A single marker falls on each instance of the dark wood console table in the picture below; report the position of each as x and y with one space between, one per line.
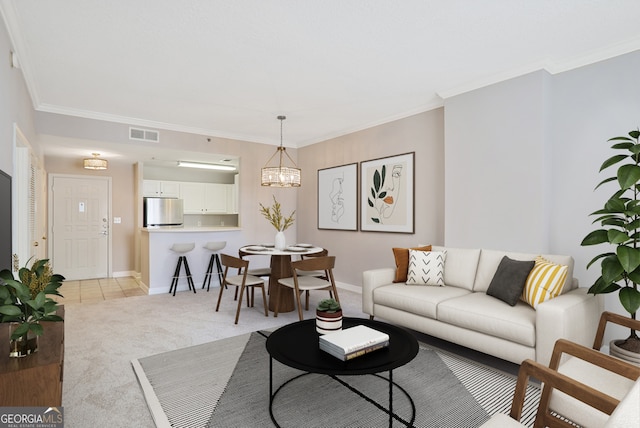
34 380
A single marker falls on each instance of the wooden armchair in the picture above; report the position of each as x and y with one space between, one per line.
610 317
602 372
621 414
581 384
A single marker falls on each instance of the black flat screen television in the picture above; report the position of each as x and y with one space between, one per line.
6 241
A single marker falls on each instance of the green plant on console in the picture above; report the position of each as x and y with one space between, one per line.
329 306
24 300
620 227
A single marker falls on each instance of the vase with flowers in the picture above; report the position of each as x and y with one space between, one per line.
24 304
277 220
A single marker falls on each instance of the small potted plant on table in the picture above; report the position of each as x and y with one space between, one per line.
328 316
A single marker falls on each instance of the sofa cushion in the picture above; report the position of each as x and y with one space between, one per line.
545 281
566 261
508 282
460 266
421 301
490 259
485 314
401 256
426 268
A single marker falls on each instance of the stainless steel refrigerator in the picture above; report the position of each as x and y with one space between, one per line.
163 212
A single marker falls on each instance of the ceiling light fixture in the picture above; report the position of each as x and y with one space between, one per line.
206 166
95 162
281 176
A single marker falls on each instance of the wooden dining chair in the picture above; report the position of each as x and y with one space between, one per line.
261 271
319 273
242 281
300 283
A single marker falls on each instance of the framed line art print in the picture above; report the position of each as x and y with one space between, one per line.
387 194
338 197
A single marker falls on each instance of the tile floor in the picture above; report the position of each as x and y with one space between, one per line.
92 290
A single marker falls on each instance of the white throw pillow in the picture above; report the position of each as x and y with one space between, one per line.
426 268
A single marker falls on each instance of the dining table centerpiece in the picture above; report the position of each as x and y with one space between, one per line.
280 222
24 304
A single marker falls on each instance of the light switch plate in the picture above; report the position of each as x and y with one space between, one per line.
117 220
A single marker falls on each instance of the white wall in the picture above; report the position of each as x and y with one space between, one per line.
15 104
522 160
495 188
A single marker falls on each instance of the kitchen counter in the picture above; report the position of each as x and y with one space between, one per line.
178 229
158 262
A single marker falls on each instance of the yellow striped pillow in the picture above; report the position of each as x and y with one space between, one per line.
545 281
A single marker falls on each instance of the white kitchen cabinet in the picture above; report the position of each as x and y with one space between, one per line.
232 196
161 189
204 198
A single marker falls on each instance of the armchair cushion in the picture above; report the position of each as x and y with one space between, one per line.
601 379
627 414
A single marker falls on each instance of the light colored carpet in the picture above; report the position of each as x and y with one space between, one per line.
225 384
101 339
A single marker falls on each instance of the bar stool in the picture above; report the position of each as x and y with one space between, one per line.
215 247
182 249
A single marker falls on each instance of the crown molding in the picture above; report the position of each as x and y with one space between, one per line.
550 66
437 102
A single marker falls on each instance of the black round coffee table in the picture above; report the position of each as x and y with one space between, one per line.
296 345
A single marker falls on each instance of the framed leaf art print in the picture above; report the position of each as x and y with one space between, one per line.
387 194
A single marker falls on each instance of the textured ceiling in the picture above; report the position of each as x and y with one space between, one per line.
228 68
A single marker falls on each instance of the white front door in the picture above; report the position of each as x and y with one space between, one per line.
79 225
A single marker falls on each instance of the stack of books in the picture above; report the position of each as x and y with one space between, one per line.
353 342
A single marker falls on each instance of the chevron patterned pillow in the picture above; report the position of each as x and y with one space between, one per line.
401 256
426 268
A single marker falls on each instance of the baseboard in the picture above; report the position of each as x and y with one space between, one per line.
349 287
184 287
125 273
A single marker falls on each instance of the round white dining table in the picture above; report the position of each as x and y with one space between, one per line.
281 268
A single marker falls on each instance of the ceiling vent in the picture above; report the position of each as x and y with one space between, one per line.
140 134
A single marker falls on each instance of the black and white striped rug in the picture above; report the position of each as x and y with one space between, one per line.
226 384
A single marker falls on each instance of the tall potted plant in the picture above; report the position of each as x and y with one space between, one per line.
619 221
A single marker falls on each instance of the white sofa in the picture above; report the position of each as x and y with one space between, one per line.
461 312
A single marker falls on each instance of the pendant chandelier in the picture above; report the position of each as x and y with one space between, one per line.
95 162
281 175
